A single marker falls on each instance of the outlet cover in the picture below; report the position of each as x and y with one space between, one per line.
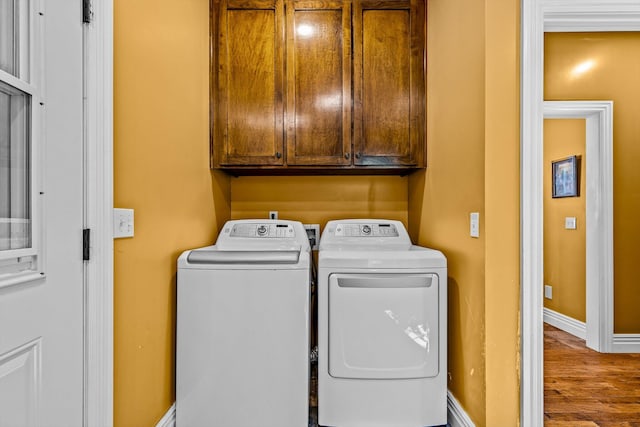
122 223
313 233
570 223
548 292
474 224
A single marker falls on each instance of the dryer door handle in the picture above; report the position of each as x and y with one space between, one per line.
385 281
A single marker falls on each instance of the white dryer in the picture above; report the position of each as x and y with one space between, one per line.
382 337
243 328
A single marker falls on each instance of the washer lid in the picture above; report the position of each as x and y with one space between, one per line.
253 244
213 256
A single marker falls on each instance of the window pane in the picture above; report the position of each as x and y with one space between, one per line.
15 169
8 38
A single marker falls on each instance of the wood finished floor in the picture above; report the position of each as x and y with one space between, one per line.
586 388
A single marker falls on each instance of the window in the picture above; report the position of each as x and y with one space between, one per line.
8 49
19 251
15 169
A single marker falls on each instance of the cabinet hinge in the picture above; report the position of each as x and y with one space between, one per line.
87 12
86 244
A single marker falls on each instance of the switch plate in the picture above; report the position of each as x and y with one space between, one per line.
313 233
548 292
474 224
122 223
570 223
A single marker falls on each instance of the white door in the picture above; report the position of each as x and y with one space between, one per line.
41 213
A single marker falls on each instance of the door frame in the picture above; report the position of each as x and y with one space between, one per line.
599 213
98 202
538 17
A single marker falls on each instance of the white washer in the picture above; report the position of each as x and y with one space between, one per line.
382 336
243 328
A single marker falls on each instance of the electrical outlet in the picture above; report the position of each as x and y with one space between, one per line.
273 214
313 233
548 292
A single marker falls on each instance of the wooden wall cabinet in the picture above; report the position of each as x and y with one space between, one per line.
318 86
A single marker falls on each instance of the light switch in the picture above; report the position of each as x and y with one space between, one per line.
548 292
570 223
122 223
474 224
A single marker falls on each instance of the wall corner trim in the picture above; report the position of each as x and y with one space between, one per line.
169 419
565 323
98 204
456 415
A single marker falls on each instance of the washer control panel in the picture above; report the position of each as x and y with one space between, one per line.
366 230
264 230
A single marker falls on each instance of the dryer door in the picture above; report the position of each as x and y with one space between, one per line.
383 326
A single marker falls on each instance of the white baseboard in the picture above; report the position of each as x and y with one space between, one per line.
565 323
456 416
626 343
169 419
622 343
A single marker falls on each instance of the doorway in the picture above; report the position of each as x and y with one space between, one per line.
598 167
539 16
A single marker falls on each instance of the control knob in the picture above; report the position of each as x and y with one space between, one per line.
262 230
366 229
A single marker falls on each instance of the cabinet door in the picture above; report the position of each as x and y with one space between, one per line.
389 82
318 82
247 82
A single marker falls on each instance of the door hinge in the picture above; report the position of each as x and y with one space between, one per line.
86 244
87 13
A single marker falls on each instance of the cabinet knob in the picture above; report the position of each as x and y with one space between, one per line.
357 155
347 156
278 155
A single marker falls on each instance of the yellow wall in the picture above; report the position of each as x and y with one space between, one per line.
317 199
502 208
613 76
565 250
473 166
162 171
161 160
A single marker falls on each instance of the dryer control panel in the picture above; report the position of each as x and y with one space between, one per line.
365 234
366 230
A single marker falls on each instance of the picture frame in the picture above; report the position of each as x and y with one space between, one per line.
565 177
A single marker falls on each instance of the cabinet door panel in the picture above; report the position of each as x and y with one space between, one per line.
389 90
318 83
249 121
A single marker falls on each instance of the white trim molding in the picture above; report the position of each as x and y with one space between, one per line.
536 17
565 323
626 343
169 418
456 415
98 112
620 343
598 117
590 15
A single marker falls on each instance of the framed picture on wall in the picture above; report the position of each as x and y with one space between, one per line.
565 177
